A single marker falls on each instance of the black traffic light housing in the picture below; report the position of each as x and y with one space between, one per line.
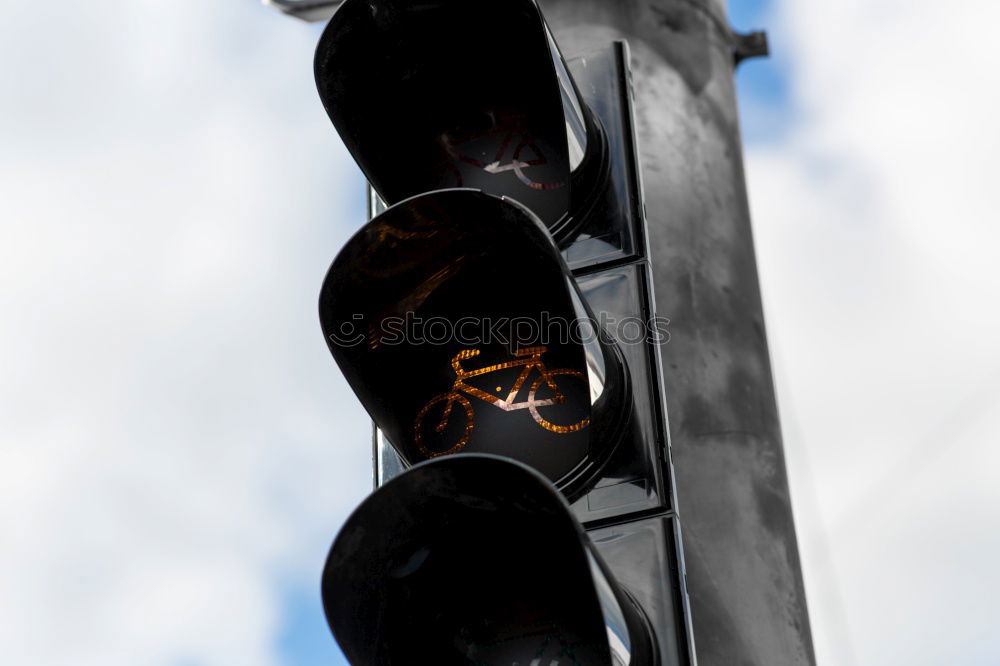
435 94
453 93
475 559
460 328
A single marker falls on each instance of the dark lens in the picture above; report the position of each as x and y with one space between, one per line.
449 93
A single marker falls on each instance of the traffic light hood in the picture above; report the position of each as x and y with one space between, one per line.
475 559
455 93
455 320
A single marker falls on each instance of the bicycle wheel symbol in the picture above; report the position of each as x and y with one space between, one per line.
519 165
578 391
440 416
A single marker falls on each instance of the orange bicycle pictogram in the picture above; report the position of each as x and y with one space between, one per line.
529 358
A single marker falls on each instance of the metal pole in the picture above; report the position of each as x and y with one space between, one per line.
744 575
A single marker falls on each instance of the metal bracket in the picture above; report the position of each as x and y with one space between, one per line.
749 45
307 10
743 45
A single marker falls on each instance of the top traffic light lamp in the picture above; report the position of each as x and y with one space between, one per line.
454 93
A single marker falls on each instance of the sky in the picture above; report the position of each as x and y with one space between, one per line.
177 448
870 158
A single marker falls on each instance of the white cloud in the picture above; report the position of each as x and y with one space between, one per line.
876 226
177 441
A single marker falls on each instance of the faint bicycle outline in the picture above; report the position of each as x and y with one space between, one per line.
516 164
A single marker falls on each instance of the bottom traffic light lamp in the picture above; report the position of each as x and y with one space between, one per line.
476 559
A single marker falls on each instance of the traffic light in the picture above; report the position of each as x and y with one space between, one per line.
452 93
458 325
497 304
475 559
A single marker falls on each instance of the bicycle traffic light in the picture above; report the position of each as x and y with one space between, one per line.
453 93
458 325
476 559
463 317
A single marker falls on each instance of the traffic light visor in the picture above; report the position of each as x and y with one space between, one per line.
454 93
474 560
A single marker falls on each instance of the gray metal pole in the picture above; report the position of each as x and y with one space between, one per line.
744 576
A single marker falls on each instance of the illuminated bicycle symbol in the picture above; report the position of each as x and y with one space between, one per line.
529 358
526 154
